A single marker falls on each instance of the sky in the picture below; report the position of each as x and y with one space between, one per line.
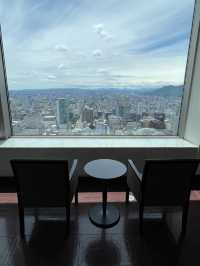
101 43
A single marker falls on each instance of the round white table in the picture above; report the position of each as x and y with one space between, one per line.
105 170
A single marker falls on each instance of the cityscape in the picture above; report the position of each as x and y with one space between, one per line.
95 68
97 112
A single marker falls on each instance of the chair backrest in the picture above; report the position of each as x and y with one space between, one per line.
168 182
41 183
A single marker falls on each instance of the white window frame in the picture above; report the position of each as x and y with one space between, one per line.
5 117
190 66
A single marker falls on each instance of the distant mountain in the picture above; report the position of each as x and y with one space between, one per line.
165 91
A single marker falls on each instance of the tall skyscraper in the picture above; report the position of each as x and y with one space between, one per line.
63 112
87 114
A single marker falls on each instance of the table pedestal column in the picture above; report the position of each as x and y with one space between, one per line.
104 215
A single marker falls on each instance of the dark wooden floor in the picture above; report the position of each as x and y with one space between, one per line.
88 245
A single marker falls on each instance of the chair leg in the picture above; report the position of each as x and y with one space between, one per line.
76 197
36 214
164 214
184 221
67 210
21 222
141 211
127 195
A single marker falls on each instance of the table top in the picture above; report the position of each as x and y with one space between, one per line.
105 169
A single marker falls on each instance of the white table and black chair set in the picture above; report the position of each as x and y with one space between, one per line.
47 183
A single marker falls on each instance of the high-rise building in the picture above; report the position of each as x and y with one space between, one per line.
87 114
114 122
159 116
122 110
64 113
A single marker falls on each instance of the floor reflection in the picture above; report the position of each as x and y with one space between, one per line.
89 245
102 251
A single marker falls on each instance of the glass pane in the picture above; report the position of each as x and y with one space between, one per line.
104 67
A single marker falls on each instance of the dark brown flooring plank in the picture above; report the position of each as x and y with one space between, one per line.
121 245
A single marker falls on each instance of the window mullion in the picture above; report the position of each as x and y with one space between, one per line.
5 127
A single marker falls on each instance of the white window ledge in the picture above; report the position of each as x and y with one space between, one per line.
90 148
96 142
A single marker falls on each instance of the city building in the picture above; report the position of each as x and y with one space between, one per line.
87 114
64 113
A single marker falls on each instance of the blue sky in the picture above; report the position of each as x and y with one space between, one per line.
109 43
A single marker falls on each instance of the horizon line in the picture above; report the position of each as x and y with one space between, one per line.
102 88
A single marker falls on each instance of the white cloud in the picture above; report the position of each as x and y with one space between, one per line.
51 77
97 53
100 30
88 25
61 48
105 35
61 66
103 71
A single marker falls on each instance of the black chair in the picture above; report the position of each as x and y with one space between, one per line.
44 183
163 183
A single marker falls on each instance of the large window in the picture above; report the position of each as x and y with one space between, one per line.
104 67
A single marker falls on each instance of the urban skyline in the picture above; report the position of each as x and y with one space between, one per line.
107 56
61 112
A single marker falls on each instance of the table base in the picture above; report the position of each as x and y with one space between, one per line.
104 221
